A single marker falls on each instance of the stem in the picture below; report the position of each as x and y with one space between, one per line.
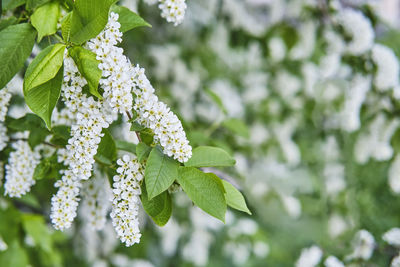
25 139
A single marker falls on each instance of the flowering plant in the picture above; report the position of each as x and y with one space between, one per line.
79 85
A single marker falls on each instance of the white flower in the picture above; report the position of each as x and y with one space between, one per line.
359 28
3 245
394 175
19 170
309 257
125 200
395 262
305 47
392 237
173 10
363 244
5 97
387 74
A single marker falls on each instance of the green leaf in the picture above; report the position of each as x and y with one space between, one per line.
35 226
88 66
26 123
61 134
128 19
11 4
14 256
44 66
237 126
32 4
4 23
42 169
126 146
43 98
66 26
37 136
161 171
205 190
48 168
159 208
107 150
208 156
216 99
234 198
88 19
142 151
45 19
16 45
136 127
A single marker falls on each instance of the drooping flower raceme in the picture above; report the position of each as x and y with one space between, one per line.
19 170
91 116
125 200
121 78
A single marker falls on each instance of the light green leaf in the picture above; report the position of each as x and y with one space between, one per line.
160 172
66 26
35 226
128 19
88 66
44 66
142 151
107 150
16 45
205 190
43 98
159 208
126 146
89 19
207 156
234 198
14 256
45 18
237 126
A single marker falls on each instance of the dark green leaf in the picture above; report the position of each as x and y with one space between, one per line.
16 45
128 19
44 66
205 190
142 151
234 198
11 4
126 146
4 23
159 208
88 19
88 66
37 136
207 156
45 19
43 98
136 127
61 134
161 171
26 123
107 150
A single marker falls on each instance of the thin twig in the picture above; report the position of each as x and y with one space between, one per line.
137 134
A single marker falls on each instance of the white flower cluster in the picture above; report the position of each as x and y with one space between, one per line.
19 170
392 237
91 117
332 261
173 10
96 193
387 74
5 97
154 114
117 82
121 77
125 200
359 29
